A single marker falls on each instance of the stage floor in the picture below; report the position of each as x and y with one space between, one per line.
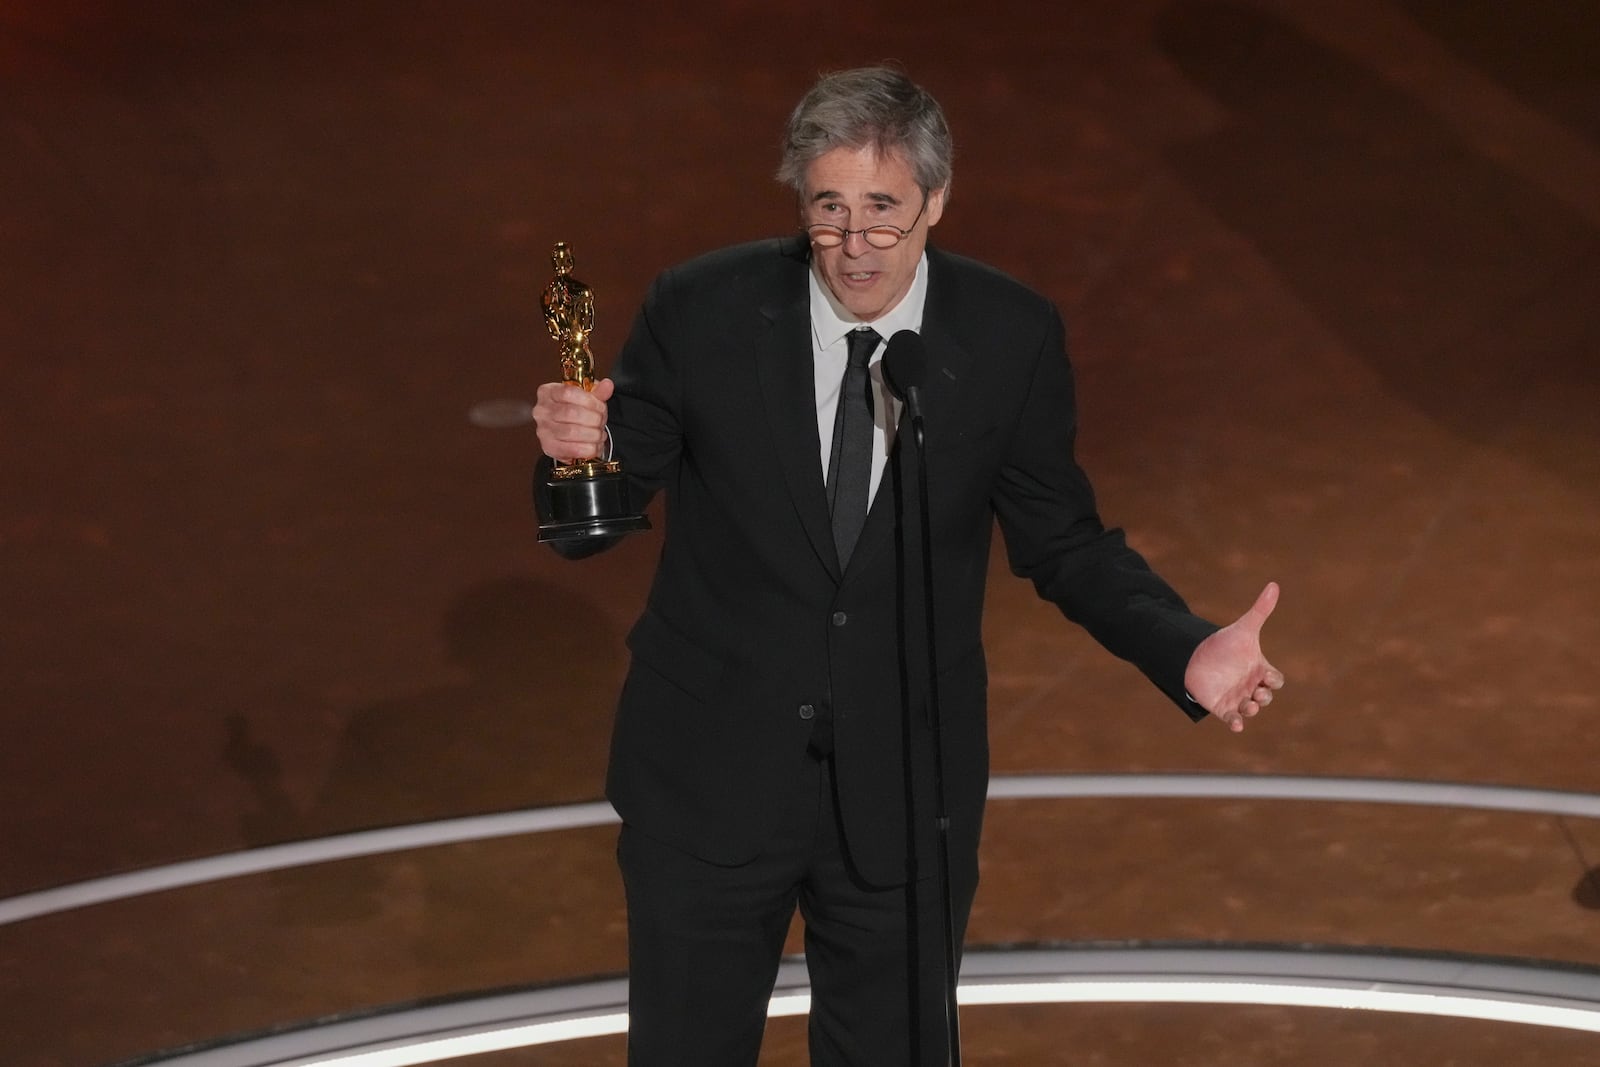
1332 278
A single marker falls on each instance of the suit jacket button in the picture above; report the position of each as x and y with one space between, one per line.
840 618
807 711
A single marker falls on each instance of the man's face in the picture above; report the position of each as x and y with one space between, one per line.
854 188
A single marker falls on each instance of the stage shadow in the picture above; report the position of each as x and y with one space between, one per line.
1474 295
1586 894
1542 50
528 726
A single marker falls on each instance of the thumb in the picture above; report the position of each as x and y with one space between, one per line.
1263 607
603 389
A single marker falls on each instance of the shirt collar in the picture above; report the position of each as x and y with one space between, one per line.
830 321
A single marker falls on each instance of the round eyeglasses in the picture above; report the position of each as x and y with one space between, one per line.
827 235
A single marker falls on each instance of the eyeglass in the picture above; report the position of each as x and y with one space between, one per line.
827 235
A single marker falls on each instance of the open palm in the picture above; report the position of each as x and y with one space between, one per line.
1228 675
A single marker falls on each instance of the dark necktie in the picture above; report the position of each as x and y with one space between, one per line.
850 461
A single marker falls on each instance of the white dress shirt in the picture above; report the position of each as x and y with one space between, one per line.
830 323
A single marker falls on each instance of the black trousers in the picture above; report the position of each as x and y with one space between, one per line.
704 943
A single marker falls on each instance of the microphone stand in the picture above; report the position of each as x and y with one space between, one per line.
941 815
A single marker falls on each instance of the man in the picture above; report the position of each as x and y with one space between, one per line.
772 744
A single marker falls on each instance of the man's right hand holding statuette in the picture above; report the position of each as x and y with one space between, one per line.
587 492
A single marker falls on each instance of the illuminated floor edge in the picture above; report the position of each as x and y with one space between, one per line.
599 813
1452 986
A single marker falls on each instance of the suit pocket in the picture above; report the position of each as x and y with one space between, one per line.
667 651
969 438
964 684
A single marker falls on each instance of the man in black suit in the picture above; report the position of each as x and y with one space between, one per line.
772 744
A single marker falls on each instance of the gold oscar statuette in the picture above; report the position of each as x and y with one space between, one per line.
587 497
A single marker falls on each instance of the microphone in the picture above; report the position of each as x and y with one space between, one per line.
905 368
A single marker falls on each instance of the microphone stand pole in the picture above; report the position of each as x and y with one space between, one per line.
941 816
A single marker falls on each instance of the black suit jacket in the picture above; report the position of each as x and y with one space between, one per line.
751 625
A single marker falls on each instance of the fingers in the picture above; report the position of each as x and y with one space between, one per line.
1234 713
571 421
1234 719
1260 697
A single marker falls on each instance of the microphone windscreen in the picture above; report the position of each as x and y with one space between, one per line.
905 363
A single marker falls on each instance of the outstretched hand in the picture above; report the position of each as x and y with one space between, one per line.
1228 675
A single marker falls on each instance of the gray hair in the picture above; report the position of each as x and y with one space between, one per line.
875 106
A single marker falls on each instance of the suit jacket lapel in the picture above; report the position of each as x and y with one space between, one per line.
788 391
948 362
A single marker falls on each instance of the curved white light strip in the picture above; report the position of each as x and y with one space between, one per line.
451 1048
1129 991
304 853
1126 991
1454 987
599 813
1293 787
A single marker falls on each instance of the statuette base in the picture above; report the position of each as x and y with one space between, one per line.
591 506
